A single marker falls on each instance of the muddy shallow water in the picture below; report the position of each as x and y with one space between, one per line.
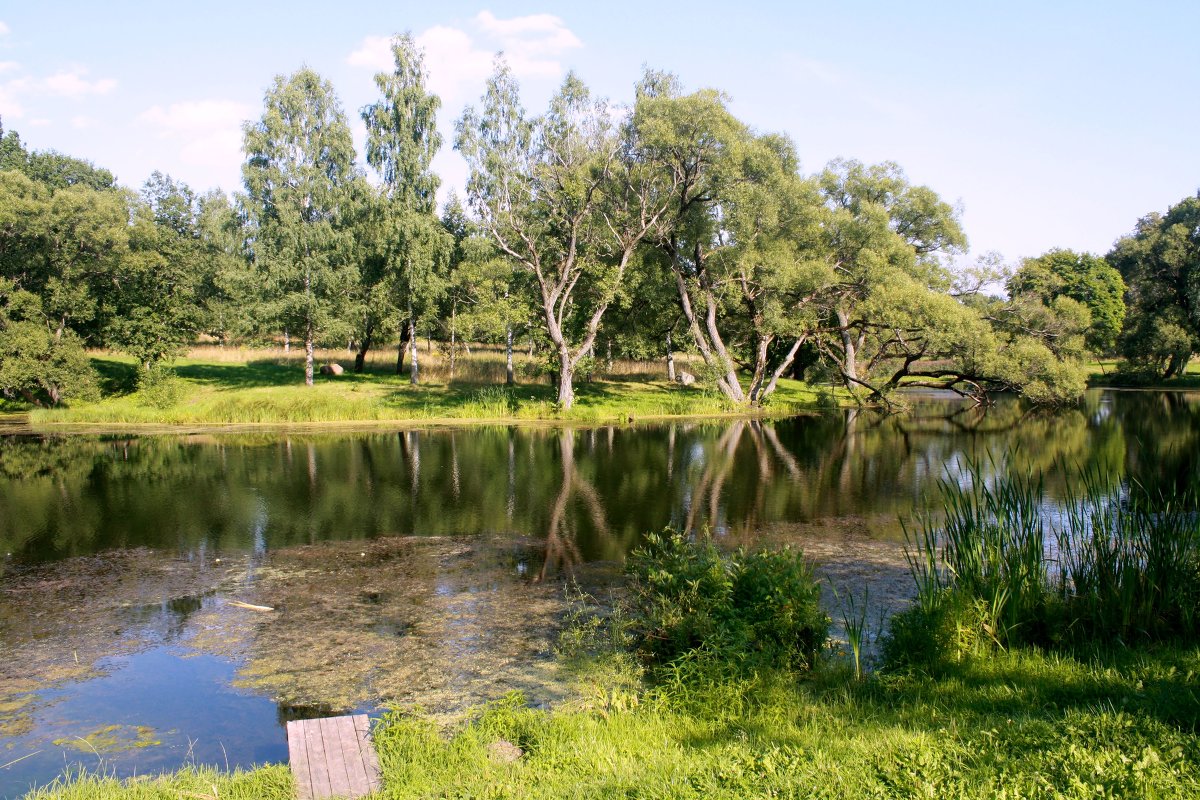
170 599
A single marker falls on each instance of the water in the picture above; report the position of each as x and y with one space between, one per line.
428 566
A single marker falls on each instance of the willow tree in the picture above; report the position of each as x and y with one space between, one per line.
740 238
882 234
567 197
300 180
414 248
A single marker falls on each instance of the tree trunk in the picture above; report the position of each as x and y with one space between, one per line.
287 343
453 336
566 379
708 338
782 368
360 359
850 352
308 355
404 329
670 359
608 361
414 369
508 356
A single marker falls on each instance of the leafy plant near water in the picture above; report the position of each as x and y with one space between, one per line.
691 602
1119 563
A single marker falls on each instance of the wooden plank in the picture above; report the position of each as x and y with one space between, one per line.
318 763
362 727
298 759
335 757
356 772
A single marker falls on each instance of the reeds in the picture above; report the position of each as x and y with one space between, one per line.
1113 561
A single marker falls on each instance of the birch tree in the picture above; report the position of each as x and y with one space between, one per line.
299 176
402 140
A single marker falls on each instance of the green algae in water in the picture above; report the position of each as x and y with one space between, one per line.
112 739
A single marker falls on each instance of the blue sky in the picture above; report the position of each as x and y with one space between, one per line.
1053 123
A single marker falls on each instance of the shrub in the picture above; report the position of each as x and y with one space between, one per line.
689 600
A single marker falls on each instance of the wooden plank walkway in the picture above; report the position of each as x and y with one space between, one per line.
333 757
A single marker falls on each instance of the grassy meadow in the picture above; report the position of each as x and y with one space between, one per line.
215 385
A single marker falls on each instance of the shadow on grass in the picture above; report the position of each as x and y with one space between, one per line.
116 377
1161 683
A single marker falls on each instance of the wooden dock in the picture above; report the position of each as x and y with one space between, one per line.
333 757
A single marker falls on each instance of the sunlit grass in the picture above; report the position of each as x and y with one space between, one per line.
218 386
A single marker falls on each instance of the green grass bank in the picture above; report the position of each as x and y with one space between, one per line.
256 387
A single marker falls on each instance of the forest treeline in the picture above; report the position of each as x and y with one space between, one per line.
586 230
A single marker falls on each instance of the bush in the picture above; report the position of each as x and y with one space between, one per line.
690 601
159 387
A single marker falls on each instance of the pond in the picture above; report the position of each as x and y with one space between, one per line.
174 599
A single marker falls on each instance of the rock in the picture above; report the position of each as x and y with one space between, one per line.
686 378
332 369
504 752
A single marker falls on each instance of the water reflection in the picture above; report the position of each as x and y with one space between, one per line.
588 493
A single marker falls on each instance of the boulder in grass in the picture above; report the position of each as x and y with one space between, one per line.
686 378
504 752
332 369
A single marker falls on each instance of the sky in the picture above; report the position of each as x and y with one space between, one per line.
1053 124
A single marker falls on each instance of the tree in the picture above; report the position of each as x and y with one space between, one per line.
568 197
881 234
51 168
156 305
1083 277
299 175
402 140
1160 262
40 366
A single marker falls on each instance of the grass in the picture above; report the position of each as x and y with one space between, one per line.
216 386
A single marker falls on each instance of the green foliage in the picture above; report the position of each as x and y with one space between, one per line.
1160 262
1083 277
300 180
159 387
36 365
745 609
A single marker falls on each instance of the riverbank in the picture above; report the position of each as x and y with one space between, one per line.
1019 724
1104 374
268 389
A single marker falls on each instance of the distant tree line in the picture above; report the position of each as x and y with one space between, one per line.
667 224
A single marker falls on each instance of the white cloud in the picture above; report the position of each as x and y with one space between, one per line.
536 34
74 83
208 133
4 29
39 122
9 66
459 60
374 52
457 67
82 122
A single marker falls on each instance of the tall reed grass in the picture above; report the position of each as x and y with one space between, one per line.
1113 561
